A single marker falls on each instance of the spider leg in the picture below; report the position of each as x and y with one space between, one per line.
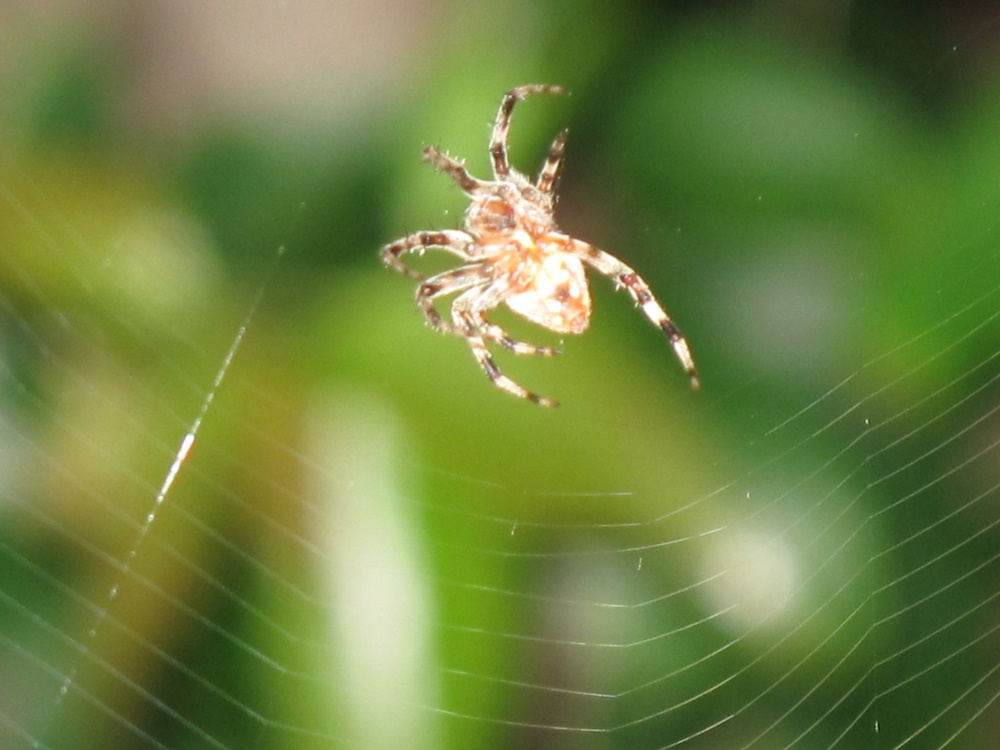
486 299
449 282
498 141
640 292
450 240
460 280
501 381
453 168
496 333
467 314
546 181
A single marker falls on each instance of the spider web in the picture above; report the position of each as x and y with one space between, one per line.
247 502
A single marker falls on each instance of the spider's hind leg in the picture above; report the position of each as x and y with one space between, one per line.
501 381
496 333
467 314
450 282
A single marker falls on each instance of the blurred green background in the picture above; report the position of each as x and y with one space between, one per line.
370 546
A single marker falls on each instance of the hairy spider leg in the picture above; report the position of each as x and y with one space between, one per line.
640 292
546 182
498 334
501 381
467 313
449 282
454 168
449 240
498 141
487 298
459 280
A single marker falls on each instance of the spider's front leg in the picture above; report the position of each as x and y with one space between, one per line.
639 290
546 182
453 168
498 141
450 240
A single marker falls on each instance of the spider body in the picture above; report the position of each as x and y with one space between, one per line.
513 253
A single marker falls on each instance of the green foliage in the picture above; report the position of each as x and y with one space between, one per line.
823 235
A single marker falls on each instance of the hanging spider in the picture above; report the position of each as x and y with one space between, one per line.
513 253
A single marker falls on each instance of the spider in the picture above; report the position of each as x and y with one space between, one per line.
512 252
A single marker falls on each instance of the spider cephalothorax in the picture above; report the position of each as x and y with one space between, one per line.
513 253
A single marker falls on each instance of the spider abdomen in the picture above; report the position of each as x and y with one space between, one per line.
555 294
